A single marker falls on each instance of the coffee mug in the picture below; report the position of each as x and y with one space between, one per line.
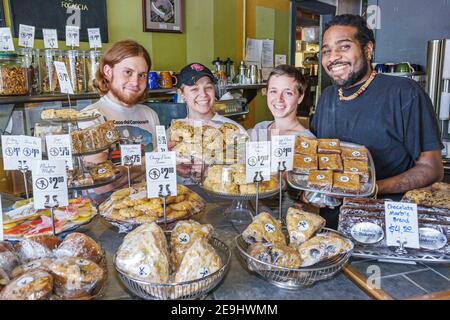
390 67
403 67
167 80
153 81
381 68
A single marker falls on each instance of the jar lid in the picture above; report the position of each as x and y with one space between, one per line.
8 55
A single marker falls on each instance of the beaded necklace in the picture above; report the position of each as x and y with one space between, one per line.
360 90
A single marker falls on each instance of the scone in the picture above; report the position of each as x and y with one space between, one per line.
329 146
265 229
33 285
79 245
321 247
359 153
320 179
230 133
40 264
212 138
359 167
144 254
184 234
302 225
305 145
199 261
180 131
279 255
305 163
76 278
330 162
346 182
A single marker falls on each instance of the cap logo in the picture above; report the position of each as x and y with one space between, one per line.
197 67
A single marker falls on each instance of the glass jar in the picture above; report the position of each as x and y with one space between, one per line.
49 77
76 68
13 75
32 60
92 66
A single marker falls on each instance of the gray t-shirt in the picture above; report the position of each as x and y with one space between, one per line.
261 132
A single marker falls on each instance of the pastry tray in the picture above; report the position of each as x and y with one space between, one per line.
300 181
119 171
261 195
386 253
72 120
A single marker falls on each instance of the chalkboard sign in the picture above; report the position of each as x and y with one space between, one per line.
56 14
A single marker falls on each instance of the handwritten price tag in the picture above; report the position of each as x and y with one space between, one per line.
161 173
401 224
26 36
63 77
20 151
282 152
59 147
257 159
6 43
161 139
72 36
49 183
95 39
131 154
50 38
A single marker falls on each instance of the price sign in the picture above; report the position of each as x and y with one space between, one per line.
20 151
1 219
50 38
49 183
131 154
282 152
63 77
161 173
59 147
401 224
26 36
95 39
6 43
161 139
257 161
72 36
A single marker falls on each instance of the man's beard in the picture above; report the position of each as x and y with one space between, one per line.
125 99
355 76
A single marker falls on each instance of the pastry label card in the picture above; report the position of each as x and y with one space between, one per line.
26 36
161 139
6 43
95 39
282 153
72 36
50 38
257 165
63 77
131 154
20 151
401 224
59 148
49 184
160 168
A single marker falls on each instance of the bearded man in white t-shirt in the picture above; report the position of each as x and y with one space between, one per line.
121 81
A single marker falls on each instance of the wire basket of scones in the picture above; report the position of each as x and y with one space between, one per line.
296 255
46 268
128 208
185 263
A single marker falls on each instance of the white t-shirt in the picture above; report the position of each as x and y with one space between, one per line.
261 132
136 124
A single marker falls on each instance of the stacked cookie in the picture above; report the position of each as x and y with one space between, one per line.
206 142
331 167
